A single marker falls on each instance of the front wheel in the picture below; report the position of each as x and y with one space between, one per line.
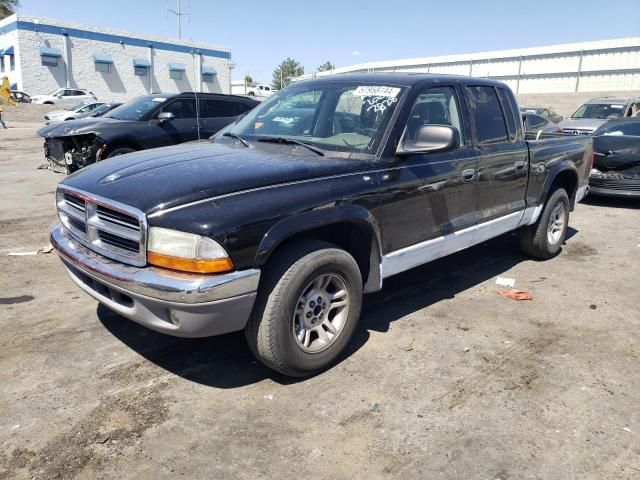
119 151
544 239
307 308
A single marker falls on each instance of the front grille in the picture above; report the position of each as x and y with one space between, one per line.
576 131
55 149
106 227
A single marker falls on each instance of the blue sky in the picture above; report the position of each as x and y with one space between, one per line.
263 33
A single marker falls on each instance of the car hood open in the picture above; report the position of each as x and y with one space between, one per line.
157 179
77 127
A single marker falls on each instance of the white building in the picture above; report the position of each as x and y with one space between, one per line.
562 75
39 55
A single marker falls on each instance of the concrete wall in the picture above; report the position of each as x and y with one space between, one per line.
567 103
78 68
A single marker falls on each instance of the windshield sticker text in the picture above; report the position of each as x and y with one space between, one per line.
379 104
374 91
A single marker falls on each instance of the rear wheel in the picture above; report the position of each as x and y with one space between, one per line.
120 151
307 308
544 239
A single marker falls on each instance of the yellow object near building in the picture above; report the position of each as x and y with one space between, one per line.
5 93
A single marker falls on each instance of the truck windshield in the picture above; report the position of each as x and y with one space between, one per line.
340 116
136 108
600 110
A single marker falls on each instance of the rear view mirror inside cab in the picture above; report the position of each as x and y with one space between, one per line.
429 138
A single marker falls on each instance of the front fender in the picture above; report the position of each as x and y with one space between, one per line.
322 217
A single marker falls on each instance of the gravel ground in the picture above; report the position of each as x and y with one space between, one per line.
443 379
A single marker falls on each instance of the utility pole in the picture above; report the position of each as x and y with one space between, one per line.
178 13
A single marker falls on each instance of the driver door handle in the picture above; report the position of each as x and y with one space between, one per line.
519 165
468 175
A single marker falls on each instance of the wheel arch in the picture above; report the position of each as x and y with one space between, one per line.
565 175
350 227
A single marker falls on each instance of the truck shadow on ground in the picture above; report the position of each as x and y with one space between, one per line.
612 202
226 362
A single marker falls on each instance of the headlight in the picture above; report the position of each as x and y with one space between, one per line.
186 252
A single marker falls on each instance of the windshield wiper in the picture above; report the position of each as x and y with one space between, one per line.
292 141
237 137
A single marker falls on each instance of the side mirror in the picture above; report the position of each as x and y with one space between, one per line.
431 138
165 117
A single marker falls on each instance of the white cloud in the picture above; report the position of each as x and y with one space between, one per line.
356 53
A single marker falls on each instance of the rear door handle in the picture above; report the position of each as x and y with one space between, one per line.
468 175
519 165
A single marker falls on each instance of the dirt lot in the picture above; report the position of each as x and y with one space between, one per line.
444 378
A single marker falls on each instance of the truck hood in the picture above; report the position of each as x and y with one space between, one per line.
78 127
157 179
582 123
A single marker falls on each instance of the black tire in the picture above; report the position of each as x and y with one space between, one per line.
534 239
120 151
251 94
269 331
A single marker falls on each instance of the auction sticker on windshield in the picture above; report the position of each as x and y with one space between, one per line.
375 91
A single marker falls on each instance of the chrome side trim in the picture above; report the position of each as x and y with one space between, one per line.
153 282
531 215
582 192
427 251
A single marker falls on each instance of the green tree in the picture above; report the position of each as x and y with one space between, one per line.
248 80
283 74
8 7
326 66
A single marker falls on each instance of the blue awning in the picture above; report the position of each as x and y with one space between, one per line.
141 62
100 58
7 51
209 71
177 67
50 52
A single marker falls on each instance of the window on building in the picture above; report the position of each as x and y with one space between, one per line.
1 64
141 71
49 61
175 75
103 67
207 77
490 125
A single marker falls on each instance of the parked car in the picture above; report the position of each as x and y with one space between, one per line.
593 114
616 149
146 122
62 95
282 224
20 97
260 91
100 110
70 113
543 112
537 125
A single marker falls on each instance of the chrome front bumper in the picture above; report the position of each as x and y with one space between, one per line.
179 304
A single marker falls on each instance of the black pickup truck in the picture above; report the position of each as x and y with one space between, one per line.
310 200
148 121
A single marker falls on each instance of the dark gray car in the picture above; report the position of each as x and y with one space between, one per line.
594 113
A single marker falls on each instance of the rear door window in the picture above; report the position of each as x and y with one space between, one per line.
509 113
489 121
220 108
